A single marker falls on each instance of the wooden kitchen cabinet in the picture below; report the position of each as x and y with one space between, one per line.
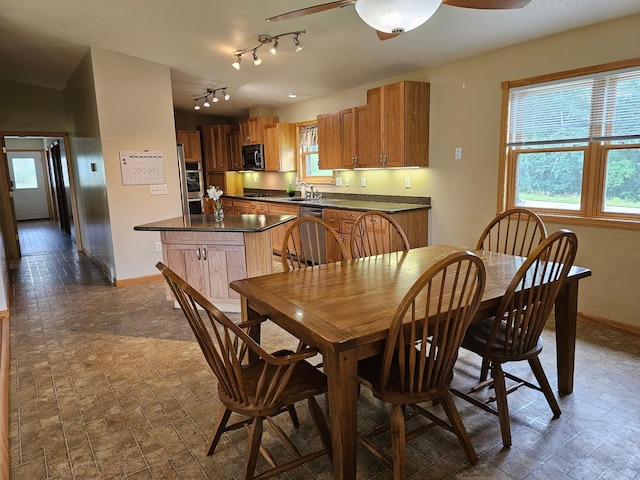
399 124
209 261
252 129
280 147
329 141
235 151
215 146
355 150
190 140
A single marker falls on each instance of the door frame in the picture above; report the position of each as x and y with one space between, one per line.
9 222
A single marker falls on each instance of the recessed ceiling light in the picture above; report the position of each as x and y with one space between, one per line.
292 95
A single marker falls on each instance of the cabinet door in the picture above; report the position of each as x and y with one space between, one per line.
235 151
279 147
186 261
244 207
393 125
332 217
190 139
362 137
245 135
222 264
216 152
347 138
375 98
329 141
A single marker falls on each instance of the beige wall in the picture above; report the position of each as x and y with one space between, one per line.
27 108
135 112
465 112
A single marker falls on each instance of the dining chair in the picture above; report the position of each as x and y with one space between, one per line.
253 383
514 333
375 233
416 365
309 242
515 232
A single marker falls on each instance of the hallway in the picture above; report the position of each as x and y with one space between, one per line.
109 383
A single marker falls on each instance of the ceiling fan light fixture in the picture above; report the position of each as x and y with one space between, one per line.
396 16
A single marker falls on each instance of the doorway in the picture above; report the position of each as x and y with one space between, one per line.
30 187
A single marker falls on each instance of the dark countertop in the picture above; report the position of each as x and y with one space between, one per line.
367 203
205 223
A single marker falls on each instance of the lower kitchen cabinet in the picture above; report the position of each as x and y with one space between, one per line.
277 233
209 261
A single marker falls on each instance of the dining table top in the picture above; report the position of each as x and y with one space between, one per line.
354 301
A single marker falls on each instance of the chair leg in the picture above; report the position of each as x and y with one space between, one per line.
501 400
253 448
221 423
536 367
484 369
453 415
398 442
294 415
321 424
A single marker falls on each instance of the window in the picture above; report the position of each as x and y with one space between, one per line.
308 155
24 172
572 145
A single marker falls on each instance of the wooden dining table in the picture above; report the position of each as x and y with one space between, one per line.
344 310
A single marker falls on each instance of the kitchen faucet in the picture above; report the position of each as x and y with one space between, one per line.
313 194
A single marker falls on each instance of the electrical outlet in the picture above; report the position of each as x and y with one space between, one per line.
363 181
458 153
158 189
407 182
159 247
338 181
346 182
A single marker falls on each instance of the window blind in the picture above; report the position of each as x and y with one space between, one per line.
602 107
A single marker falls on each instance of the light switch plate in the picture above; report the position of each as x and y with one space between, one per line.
338 181
363 181
158 189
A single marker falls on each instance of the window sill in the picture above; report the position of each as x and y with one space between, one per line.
600 222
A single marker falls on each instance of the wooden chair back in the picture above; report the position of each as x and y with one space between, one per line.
530 296
309 242
515 232
448 295
227 347
375 233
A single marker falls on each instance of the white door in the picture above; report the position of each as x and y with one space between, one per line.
29 187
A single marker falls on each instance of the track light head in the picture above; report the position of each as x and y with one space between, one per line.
236 64
256 60
226 95
297 43
274 48
196 106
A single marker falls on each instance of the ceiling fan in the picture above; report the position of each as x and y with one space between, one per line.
390 18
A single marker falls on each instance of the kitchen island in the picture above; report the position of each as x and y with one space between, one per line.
209 255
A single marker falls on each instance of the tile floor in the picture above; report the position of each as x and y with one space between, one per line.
108 383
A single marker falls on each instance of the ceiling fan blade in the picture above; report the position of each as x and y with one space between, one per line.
309 10
385 35
487 4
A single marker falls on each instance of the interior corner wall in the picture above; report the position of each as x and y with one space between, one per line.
135 112
88 165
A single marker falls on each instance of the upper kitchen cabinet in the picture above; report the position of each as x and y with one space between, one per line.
190 140
252 129
216 147
329 141
235 151
355 150
399 124
280 147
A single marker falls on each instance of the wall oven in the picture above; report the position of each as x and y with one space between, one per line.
253 157
191 184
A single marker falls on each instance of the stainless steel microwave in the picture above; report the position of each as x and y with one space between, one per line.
253 157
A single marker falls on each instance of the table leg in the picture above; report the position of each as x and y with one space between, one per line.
341 369
566 317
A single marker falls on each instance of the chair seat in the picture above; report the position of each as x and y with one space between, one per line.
393 392
306 380
476 340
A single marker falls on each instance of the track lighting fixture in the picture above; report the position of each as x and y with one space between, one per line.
214 98
264 40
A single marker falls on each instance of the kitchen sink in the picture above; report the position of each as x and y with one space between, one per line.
296 199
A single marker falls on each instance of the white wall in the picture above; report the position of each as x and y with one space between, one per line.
135 112
464 192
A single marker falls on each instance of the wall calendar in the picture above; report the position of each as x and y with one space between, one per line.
142 167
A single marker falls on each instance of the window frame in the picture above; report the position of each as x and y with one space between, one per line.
301 160
592 211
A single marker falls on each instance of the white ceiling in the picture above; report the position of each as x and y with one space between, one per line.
42 42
